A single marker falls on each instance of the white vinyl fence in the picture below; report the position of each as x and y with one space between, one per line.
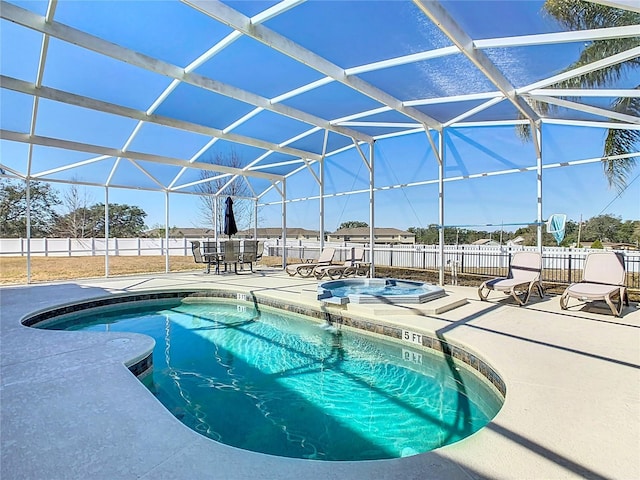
488 260
72 247
559 264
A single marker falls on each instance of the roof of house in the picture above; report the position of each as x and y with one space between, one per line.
381 231
277 231
485 241
182 232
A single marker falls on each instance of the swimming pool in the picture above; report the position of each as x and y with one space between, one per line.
378 290
270 381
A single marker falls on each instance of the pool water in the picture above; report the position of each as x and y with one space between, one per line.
377 290
381 290
274 382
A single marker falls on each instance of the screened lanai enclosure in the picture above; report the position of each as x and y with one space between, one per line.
432 111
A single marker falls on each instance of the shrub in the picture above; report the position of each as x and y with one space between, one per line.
597 244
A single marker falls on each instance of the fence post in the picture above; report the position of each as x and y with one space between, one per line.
569 279
462 260
46 247
139 246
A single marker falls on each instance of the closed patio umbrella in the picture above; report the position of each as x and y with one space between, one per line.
230 227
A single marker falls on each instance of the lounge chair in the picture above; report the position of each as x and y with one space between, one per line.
338 271
307 269
523 277
603 278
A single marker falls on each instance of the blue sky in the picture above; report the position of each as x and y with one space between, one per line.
349 34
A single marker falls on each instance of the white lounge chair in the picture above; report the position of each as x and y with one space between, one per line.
523 277
349 267
306 269
603 278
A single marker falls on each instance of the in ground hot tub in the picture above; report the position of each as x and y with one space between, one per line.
378 290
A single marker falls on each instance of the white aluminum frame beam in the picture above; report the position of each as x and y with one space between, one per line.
583 92
581 107
574 36
236 20
630 54
127 112
113 152
447 25
62 32
211 52
631 5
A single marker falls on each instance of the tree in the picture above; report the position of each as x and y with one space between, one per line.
353 224
629 232
157 230
597 244
570 233
217 184
13 208
124 220
578 15
75 222
602 227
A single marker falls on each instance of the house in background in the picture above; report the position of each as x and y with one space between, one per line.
263 233
276 232
181 232
515 241
488 242
612 245
381 235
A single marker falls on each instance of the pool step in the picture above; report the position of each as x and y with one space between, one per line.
432 307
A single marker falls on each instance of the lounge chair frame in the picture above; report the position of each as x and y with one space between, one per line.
305 270
523 277
348 268
603 279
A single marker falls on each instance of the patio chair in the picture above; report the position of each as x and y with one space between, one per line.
249 254
523 277
201 257
603 278
259 250
306 269
230 253
338 271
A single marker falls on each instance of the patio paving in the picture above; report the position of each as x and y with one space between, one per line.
71 409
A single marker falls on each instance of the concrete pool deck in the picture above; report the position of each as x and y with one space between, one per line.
71 409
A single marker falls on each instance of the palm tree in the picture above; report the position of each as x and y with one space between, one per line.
581 15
